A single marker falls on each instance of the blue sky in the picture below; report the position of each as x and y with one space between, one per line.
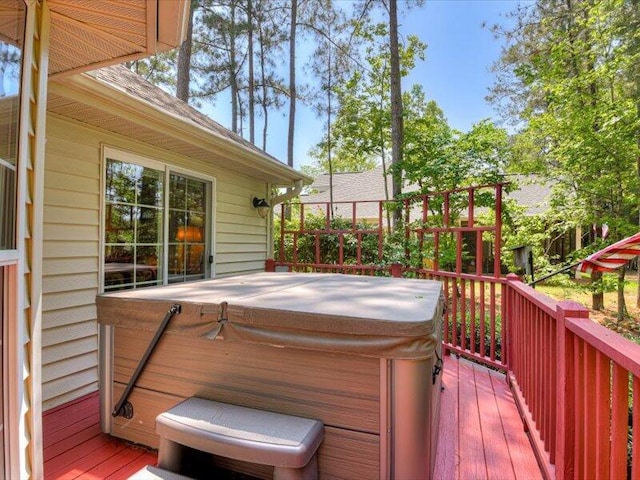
456 71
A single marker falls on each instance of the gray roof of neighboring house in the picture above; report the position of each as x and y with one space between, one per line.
351 187
532 192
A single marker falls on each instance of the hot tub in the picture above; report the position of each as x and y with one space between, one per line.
356 352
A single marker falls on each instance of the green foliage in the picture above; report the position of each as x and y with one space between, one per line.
329 242
569 79
361 129
159 69
452 159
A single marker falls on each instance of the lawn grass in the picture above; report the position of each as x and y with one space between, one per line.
629 327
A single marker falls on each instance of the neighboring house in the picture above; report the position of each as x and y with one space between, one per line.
367 189
106 182
369 186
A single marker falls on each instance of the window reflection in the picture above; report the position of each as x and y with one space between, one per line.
11 41
135 243
187 228
133 225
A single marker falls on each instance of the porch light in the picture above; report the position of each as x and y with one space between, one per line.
262 206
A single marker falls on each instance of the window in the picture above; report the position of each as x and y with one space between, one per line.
187 233
155 235
11 41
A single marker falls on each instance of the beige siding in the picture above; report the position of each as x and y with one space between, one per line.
72 229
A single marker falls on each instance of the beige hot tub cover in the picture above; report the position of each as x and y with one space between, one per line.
370 316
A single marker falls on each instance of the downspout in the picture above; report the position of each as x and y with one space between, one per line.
297 189
273 201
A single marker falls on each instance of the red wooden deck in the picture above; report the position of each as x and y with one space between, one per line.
481 434
74 446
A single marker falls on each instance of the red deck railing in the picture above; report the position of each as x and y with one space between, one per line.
577 383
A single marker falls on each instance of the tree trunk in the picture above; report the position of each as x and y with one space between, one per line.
233 74
597 298
183 76
383 156
292 81
637 81
330 158
622 305
397 135
265 110
252 120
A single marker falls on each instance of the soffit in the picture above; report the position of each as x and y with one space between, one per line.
86 34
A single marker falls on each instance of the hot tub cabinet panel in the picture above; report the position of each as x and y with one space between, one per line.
379 406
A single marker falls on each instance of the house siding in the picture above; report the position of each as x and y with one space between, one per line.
72 230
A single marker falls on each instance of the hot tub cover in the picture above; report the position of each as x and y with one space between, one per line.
371 316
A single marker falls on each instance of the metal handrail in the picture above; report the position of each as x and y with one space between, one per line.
124 407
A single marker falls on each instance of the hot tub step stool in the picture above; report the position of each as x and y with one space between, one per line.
286 442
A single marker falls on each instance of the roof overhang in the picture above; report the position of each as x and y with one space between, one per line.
85 35
89 101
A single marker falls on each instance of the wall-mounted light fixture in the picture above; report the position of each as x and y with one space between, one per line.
262 206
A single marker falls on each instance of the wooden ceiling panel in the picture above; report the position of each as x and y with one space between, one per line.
11 31
131 27
86 33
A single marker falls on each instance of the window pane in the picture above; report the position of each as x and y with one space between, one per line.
195 259
150 187
177 191
196 196
133 225
120 223
147 265
7 207
176 225
119 267
150 225
187 228
11 41
176 260
121 181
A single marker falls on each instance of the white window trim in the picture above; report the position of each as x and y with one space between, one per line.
8 257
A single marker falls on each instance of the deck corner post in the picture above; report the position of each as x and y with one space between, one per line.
508 318
269 265
396 270
565 420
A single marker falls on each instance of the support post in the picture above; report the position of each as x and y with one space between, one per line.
396 270
508 318
565 419
269 265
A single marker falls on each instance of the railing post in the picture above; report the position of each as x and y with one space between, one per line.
269 265
508 312
396 270
565 389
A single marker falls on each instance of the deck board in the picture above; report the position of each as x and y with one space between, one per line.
75 448
481 434
489 437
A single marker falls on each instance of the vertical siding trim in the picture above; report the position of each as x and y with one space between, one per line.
34 252
24 356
